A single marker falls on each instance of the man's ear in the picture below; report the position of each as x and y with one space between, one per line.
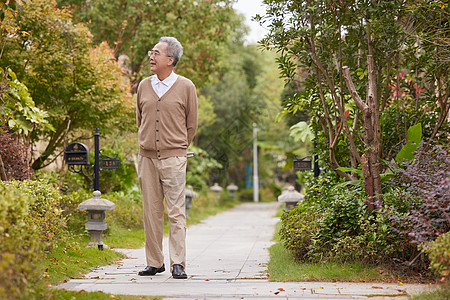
170 61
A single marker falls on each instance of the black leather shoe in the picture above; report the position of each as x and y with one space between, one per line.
150 271
178 272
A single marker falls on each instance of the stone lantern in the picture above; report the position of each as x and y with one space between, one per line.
290 197
232 188
217 189
96 208
189 194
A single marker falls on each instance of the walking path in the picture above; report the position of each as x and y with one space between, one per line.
227 257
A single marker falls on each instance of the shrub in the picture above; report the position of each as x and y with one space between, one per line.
297 227
333 223
14 155
424 182
128 211
20 243
44 210
439 254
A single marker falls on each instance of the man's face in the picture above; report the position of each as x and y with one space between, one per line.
159 61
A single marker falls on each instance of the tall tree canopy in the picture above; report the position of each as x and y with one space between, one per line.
133 27
352 55
78 85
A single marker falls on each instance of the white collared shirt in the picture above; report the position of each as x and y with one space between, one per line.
161 87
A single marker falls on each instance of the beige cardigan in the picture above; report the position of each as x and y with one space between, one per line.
166 125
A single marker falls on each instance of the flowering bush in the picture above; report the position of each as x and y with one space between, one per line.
424 182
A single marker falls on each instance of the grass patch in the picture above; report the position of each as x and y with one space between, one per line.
442 293
283 267
122 237
43 292
73 260
69 295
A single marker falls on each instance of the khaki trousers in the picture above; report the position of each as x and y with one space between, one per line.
159 180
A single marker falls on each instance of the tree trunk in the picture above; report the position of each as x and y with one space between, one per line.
55 141
2 170
372 137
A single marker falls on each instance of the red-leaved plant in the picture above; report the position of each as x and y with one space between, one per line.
14 155
425 183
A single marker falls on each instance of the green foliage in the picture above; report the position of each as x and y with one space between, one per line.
202 27
18 108
44 210
316 40
128 211
20 243
439 253
122 179
301 132
199 168
334 224
298 227
413 137
80 87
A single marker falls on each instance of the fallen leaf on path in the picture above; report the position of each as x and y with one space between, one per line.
281 289
377 287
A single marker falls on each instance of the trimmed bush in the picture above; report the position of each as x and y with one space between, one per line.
44 210
298 226
20 243
439 254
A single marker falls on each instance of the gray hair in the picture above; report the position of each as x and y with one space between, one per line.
174 48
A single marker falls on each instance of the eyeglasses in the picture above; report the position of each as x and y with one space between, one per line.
155 54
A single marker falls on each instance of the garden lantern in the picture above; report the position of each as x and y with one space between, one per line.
96 208
217 189
232 188
290 197
189 194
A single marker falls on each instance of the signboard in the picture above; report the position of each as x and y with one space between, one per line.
110 163
77 154
302 164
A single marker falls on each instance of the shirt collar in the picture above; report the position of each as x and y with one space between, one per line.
168 81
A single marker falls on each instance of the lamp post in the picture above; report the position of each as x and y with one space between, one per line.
255 165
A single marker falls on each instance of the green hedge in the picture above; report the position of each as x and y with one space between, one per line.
31 222
439 254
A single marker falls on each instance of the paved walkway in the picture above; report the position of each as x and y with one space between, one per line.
227 258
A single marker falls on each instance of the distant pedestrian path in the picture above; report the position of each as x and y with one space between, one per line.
227 257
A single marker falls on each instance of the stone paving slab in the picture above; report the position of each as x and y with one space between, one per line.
227 257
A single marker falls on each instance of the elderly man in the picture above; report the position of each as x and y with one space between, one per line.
166 114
